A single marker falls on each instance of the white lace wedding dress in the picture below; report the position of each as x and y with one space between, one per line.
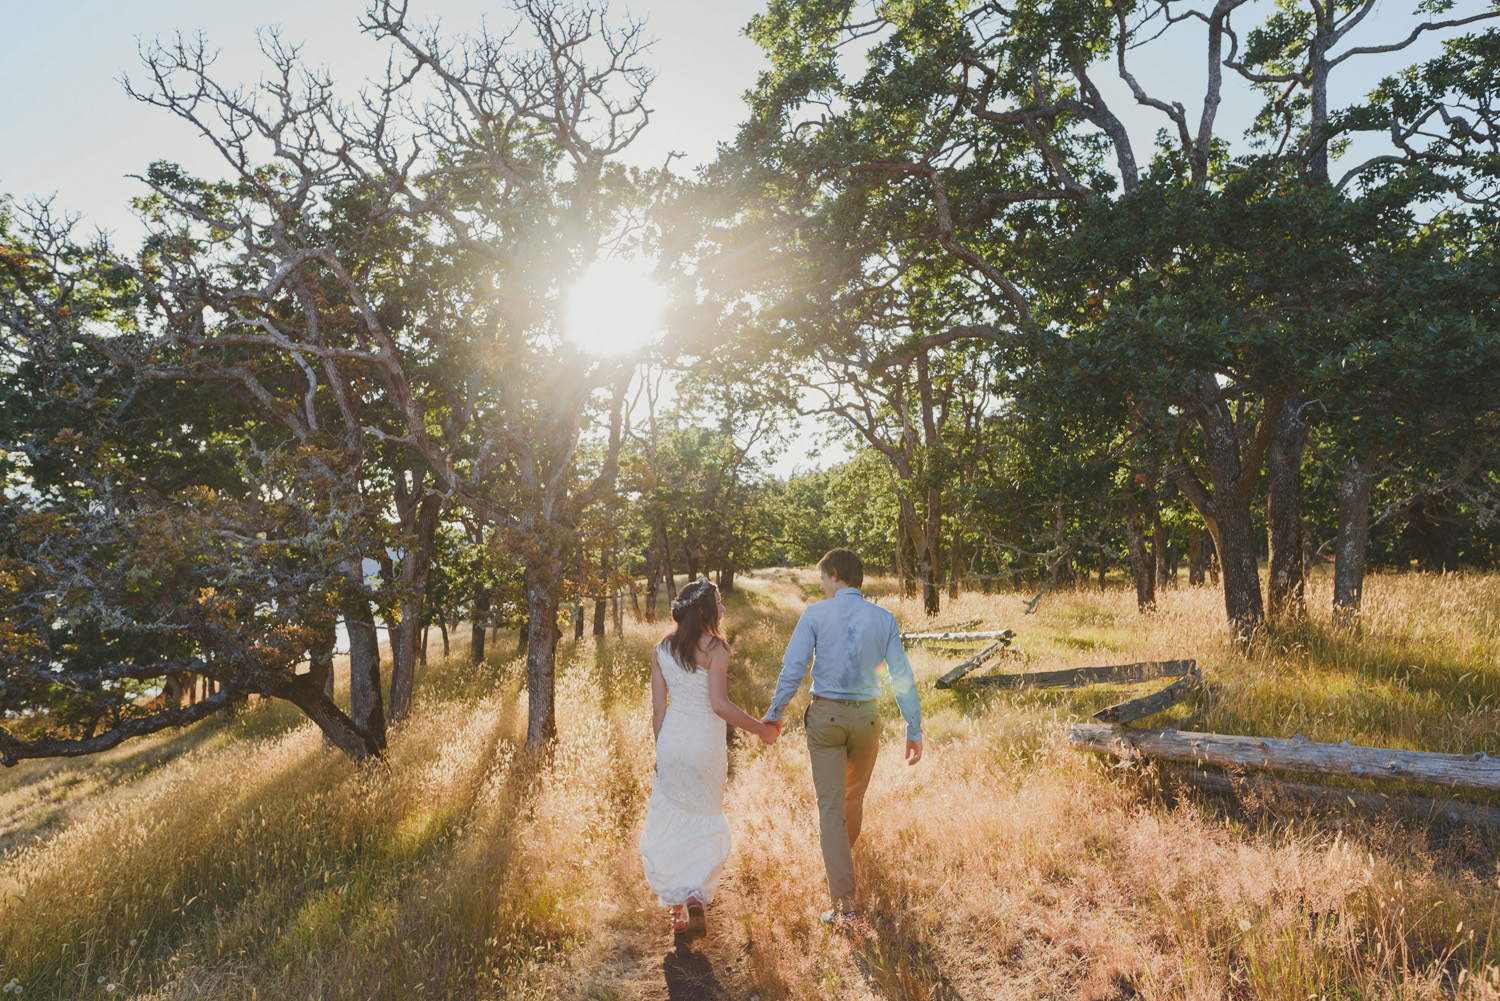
686 837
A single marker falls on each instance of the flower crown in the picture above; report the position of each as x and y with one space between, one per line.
690 594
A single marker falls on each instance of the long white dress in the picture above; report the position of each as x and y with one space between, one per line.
686 837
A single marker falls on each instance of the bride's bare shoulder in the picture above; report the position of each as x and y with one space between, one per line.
708 644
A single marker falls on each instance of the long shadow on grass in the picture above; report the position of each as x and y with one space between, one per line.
899 965
333 898
69 784
690 977
480 936
399 890
1382 658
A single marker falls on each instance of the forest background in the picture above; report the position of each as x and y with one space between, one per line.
340 388
334 386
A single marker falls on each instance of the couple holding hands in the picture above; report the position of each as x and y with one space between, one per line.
847 639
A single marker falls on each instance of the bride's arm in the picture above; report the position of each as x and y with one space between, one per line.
658 696
718 695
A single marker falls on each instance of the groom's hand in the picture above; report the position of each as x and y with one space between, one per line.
913 751
775 723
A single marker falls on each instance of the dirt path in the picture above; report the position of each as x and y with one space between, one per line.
655 965
708 968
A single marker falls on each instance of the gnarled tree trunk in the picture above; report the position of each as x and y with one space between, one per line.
955 563
906 553
1197 556
338 729
1349 548
1234 538
542 635
1158 546
1141 570
666 557
928 558
1233 466
1286 586
523 637
365 700
320 657
480 623
601 600
651 585
415 564
929 553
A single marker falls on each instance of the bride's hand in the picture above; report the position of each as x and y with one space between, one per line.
769 732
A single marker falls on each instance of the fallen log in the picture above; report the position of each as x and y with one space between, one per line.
1150 705
1422 807
1004 635
1115 674
1298 754
963 668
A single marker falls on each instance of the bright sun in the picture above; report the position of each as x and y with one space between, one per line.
614 308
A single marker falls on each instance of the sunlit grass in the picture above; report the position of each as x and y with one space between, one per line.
244 859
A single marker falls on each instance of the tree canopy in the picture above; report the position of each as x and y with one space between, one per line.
331 392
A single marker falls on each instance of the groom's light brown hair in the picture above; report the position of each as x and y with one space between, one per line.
844 564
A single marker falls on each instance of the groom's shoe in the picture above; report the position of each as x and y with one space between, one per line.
842 920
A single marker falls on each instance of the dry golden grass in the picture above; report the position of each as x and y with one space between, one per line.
245 860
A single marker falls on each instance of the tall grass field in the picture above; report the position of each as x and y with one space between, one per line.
244 859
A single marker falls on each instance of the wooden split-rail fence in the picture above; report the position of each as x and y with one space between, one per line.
1190 752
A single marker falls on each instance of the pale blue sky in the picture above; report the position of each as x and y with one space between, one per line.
69 128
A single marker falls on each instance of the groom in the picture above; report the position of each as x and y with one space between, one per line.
847 639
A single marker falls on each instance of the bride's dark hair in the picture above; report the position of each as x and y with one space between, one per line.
696 612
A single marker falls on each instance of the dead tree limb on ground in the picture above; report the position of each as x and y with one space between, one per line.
964 667
1119 674
1150 705
1298 754
1003 634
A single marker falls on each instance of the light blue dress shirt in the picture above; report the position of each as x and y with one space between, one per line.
847 638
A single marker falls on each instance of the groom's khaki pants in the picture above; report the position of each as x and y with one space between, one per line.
844 740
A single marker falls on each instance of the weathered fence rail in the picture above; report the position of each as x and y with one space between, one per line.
1113 673
964 667
1297 754
1002 634
1150 705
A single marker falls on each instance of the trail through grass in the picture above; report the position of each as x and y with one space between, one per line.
245 860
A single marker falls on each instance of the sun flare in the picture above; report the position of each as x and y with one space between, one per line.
615 307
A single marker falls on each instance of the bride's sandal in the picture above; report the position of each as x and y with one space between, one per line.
697 922
679 921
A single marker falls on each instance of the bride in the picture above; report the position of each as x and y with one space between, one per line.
686 837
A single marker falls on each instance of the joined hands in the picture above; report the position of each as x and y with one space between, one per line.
771 731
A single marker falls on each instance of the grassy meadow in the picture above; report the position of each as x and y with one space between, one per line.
245 860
